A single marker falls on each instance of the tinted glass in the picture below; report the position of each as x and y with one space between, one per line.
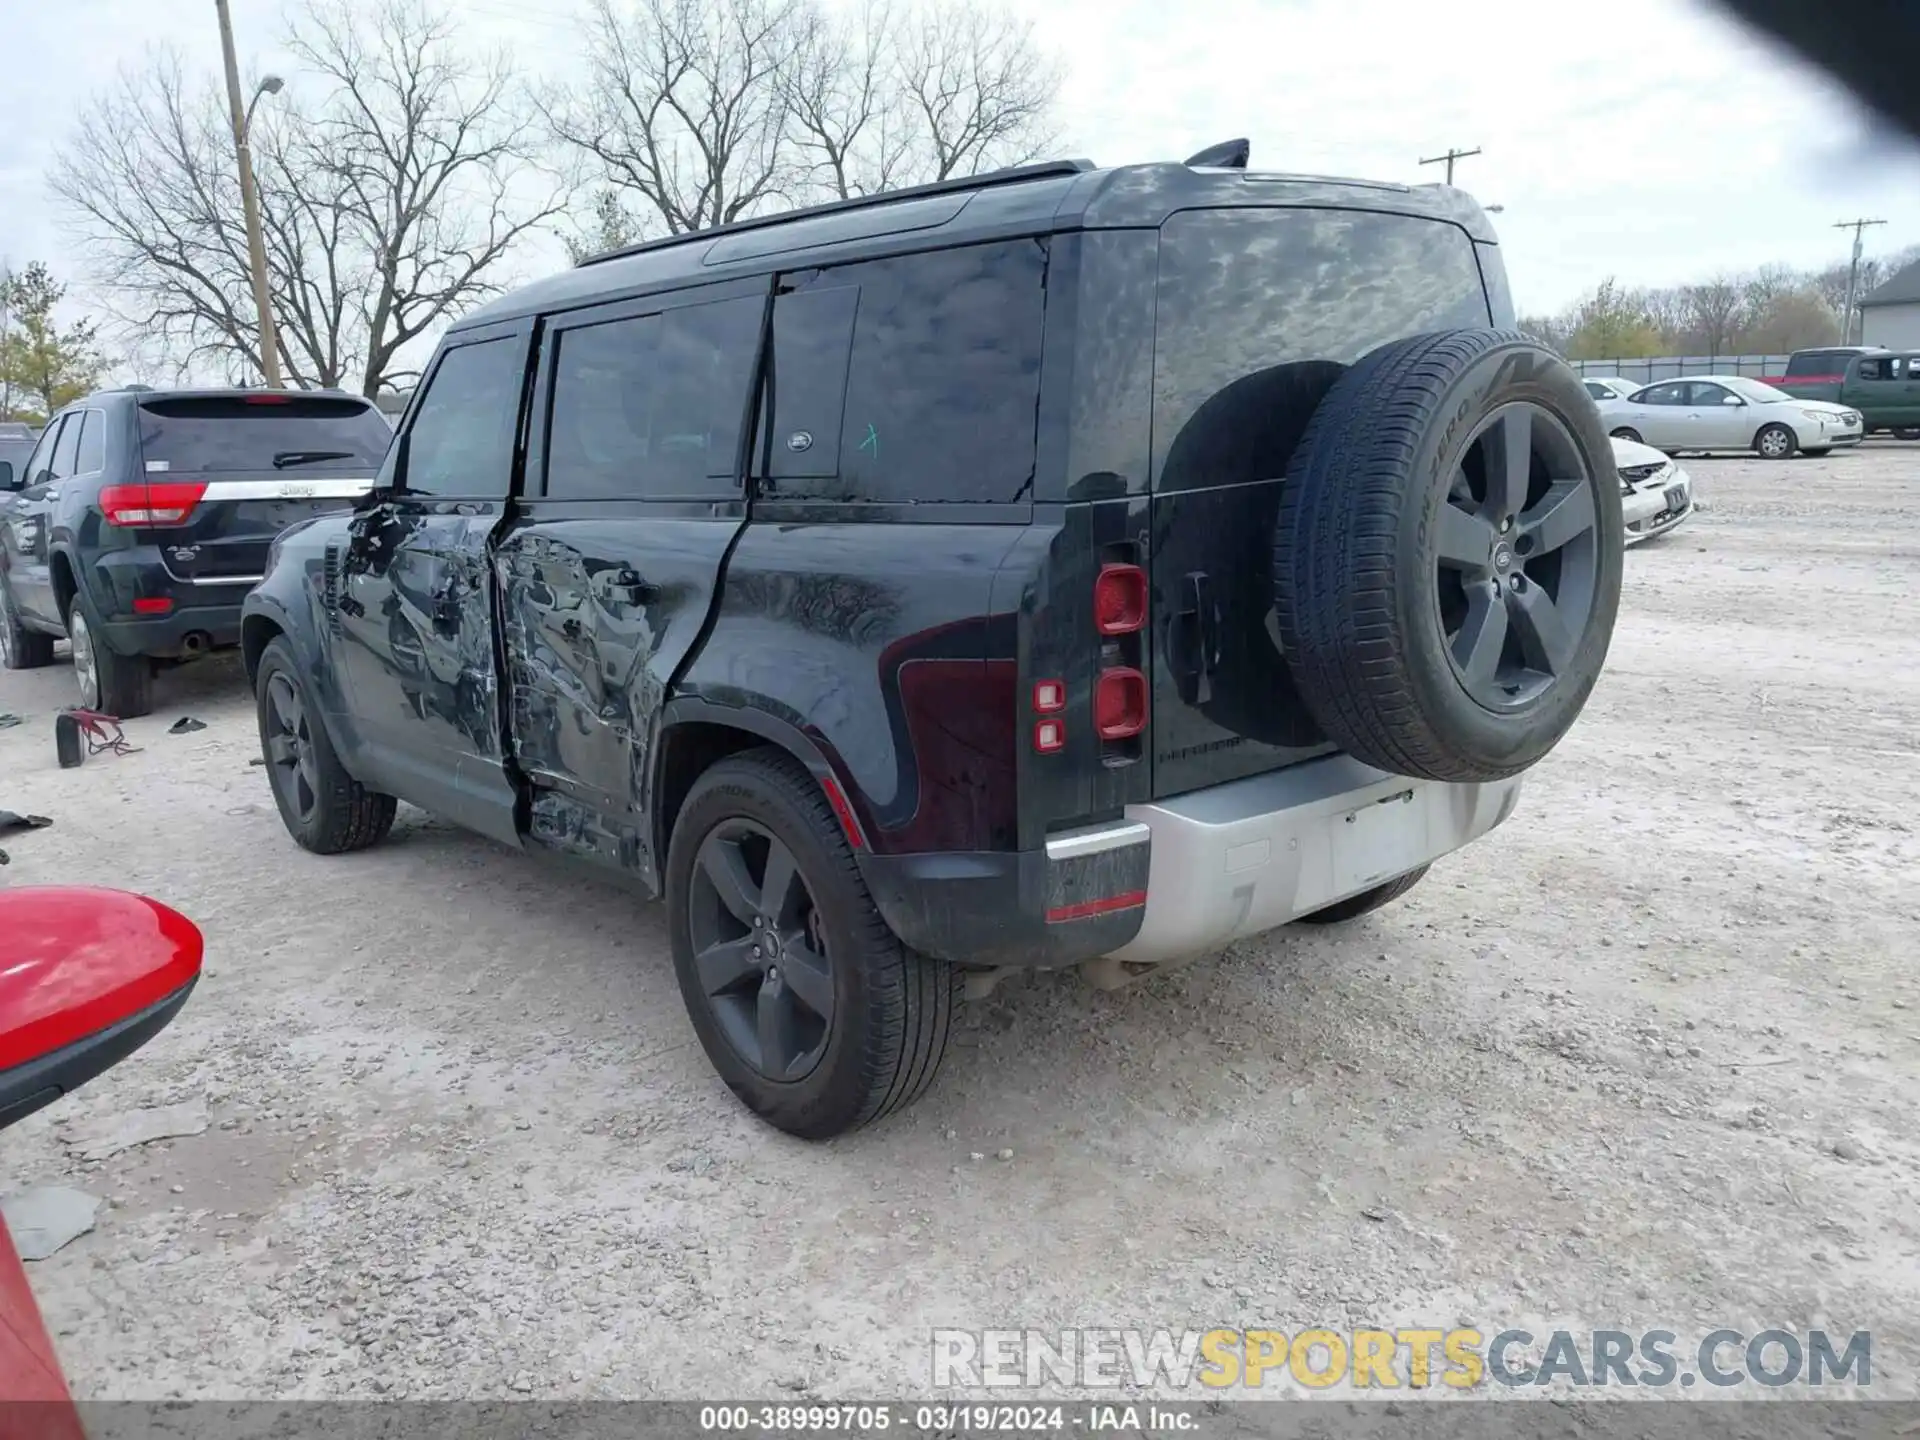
261 432
650 407
1599 392
1704 394
43 453
66 450
93 444
812 338
942 382
1260 310
1818 362
460 441
1668 394
15 453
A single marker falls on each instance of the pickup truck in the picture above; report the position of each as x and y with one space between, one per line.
1883 385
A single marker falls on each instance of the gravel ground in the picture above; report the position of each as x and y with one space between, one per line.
1645 1057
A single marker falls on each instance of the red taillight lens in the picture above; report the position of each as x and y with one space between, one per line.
1050 736
1120 704
169 503
151 605
1120 599
1049 696
269 400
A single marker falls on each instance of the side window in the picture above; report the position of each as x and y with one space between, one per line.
40 463
1598 391
1704 394
66 450
649 407
93 448
1668 394
941 381
1877 369
1910 367
460 441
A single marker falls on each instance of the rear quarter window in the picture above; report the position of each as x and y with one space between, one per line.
1259 311
202 434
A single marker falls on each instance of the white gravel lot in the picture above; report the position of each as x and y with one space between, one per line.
1645 1057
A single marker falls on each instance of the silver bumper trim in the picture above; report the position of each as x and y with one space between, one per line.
1242 858
1096 840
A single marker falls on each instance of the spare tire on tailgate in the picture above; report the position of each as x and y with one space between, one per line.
1447 555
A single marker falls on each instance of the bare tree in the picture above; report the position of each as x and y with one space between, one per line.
391 196
1714 310
682 107
982 90
699 112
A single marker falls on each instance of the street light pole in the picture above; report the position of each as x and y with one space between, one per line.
250 204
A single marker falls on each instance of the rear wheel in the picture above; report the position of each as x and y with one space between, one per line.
20 648
1627 432
323 807
1774 442
808 1005
1907 432
1367 901
112 683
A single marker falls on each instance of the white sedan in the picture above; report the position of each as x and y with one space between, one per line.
1610 387
1730 412
1655 493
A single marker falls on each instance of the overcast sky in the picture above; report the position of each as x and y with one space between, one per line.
1647 139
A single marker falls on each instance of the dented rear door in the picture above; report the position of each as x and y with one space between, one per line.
611 562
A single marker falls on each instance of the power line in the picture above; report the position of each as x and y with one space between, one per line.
1448 159
1853 274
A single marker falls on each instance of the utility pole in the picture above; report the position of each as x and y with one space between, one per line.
1853 274
1448 159
250 204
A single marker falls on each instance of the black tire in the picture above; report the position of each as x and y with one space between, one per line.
1372 575
1775 442
1627 432
20 648
1816 454
115 684
1367 901
892 1007
324 808
1907 432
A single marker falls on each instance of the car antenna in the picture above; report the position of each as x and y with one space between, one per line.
1228 155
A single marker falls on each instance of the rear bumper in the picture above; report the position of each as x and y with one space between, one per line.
1179 878
127 586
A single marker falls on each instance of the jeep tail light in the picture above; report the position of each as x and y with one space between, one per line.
1120 599
1049 696
170 502
1050 736
1120 703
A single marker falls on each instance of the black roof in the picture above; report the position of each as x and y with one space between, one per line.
1030 200
1902 288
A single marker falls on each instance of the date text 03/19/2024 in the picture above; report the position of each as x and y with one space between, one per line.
943 1418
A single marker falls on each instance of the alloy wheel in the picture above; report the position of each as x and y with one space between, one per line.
292 766
760 950
1519 557
86 668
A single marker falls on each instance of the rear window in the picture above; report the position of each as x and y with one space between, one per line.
1818 362
1259 311
305 433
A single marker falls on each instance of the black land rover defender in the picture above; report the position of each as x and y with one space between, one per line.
1058 566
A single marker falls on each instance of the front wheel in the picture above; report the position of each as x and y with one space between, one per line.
112 683
20 648
1774 442
323 807
815 1014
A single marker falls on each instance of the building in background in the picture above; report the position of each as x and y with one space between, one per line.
1890 313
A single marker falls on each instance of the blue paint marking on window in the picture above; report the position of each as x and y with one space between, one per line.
872 442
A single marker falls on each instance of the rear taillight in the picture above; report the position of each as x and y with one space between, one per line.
150 505
1120 703
1120 599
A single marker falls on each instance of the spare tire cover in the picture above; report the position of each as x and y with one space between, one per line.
1447 555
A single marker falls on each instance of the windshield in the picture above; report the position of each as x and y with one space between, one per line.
196 434
1752 389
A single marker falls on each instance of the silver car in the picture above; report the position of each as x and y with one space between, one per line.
1730 412
1610 387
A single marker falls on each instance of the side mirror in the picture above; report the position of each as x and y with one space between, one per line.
7 481
86 978
1733 400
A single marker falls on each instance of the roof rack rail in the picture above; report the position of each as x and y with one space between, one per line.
1012 176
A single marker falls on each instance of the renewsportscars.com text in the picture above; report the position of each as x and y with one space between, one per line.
1386 1359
